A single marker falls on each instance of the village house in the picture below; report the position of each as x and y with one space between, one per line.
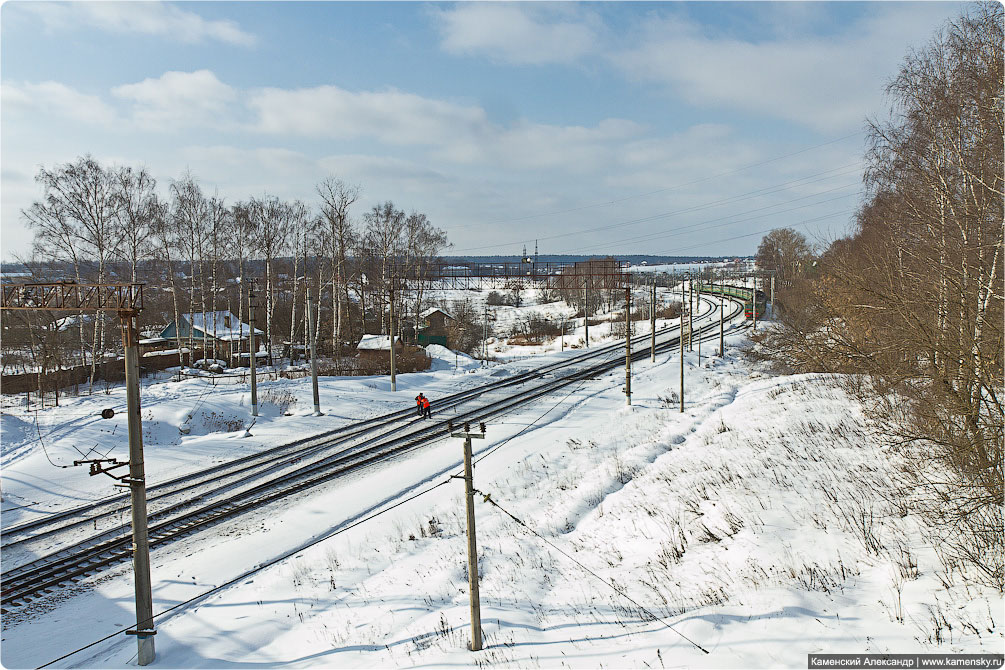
433 325
221 328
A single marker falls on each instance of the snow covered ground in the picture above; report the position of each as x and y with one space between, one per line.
753 526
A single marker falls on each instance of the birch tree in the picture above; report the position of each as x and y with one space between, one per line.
337 197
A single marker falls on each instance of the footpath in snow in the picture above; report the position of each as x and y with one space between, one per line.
755 525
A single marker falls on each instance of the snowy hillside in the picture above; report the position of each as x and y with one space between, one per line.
753 526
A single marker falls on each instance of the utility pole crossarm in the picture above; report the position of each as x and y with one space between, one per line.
73 297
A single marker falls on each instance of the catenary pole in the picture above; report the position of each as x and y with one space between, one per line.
586 308
772 295
628 342
690 318
697 293
652 324
682 346
252 350
722 316
137 490
390 327
312 333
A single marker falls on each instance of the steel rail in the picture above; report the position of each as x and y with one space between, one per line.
48 573
277 454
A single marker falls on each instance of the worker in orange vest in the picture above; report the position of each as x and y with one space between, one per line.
425 407
418 403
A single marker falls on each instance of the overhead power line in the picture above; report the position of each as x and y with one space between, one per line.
766 230
680 230
682 185
767 190
620 592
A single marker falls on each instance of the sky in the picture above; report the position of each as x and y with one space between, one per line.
667 128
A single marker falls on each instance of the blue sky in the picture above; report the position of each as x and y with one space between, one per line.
662 128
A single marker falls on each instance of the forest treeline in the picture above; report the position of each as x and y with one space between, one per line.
196 253
913 300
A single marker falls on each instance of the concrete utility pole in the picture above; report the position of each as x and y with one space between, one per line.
652 324
469 496
586 308
312 333
485 336
252 350
144 631
682 346
628 343
698 292
753 301
390 327
722 316
772 315
690 318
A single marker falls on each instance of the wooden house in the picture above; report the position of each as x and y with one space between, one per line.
433 327
378 347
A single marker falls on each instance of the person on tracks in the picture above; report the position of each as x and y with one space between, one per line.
426 412
418 404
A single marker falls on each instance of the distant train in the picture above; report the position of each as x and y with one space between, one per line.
740 293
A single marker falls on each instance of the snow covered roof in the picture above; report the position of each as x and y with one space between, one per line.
216 323
434 310
376 342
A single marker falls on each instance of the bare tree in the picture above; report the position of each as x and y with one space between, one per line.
422 243
190 217
239 229
219 216
138 204
271 218
383 237
79 212
914 298
336 198
786 252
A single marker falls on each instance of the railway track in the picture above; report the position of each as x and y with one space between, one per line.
191 503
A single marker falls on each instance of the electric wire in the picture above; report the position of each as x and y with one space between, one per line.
682 185
767 190
767 230
686 228
488 498
300 548
38 431
576 388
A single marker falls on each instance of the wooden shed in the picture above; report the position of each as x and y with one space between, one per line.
378 347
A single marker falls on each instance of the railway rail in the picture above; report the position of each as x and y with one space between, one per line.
190 503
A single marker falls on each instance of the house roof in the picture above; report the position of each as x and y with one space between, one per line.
376 342
214 324
434 310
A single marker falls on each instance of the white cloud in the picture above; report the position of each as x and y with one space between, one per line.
391 116
179 99
458 133
826 83
144 18
521 33
54 98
